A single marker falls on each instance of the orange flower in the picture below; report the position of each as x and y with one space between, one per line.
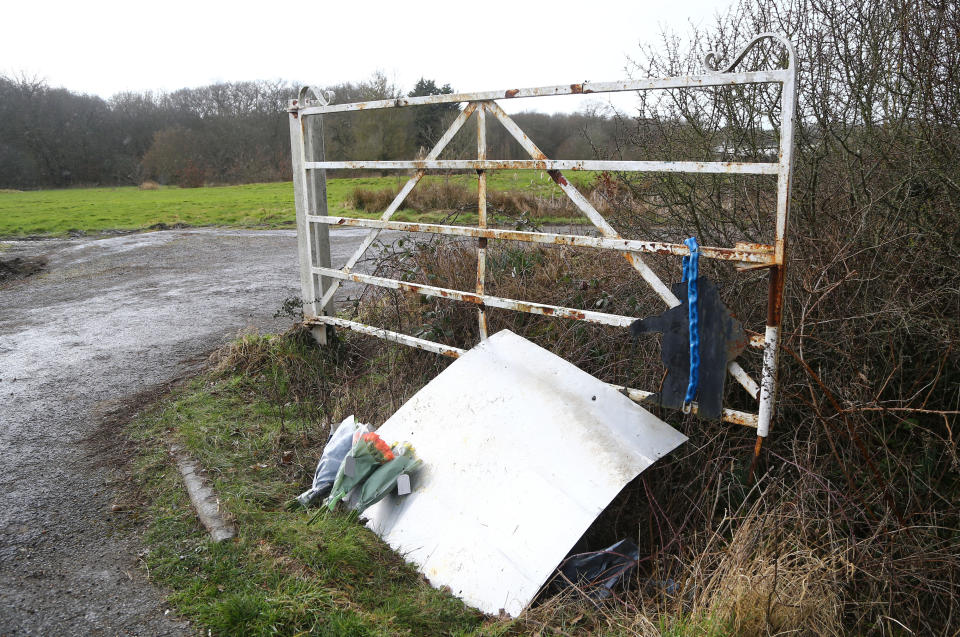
379 445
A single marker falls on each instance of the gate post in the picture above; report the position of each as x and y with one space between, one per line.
310 198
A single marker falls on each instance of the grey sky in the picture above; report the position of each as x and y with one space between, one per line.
106 47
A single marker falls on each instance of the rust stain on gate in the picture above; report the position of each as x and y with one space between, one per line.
319 280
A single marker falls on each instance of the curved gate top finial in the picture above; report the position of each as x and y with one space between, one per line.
323 98
711 59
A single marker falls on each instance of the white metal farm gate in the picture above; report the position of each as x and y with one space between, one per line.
320 280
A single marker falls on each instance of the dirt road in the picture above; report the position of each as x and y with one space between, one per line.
108 319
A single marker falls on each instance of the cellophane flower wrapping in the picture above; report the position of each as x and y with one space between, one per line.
337 448
384 478
368 453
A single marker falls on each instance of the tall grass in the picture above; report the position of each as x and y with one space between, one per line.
450 196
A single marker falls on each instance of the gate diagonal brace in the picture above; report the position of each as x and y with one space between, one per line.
401 196
607 231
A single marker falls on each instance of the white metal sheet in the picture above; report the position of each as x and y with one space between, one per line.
522 451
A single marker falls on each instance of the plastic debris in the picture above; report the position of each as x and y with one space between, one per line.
666 586
721 340
596 573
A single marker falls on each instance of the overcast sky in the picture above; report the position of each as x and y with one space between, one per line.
106 47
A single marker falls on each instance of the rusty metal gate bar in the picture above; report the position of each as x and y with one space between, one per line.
320 280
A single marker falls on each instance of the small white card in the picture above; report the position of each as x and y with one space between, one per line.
349 466
403 484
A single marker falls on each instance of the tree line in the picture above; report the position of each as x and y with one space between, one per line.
237 132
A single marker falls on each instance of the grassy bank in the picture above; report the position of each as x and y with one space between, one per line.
257 422
255 425
91 210
281 575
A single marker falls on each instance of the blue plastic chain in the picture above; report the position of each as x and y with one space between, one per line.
691 270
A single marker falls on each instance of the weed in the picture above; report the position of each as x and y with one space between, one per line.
291 307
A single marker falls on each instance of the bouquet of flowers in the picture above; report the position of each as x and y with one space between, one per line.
384 477
368 452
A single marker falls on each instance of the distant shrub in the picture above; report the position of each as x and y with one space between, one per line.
448 196
191 176
442 195
370 200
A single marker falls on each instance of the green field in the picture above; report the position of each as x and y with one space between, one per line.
92 210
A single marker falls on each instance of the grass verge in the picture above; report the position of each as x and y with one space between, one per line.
280 576
798 549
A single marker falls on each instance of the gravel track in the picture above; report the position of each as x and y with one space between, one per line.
109 319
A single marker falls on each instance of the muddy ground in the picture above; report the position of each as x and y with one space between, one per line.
20 267
106 324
